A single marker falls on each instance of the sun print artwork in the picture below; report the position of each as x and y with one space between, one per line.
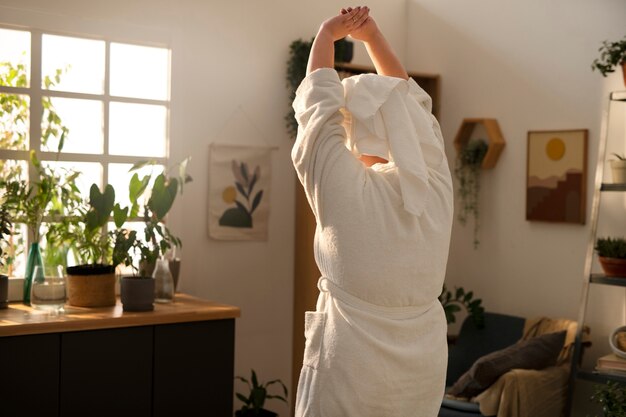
556 176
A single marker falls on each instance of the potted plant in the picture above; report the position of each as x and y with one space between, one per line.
158 239
618 167
46 197
612 256
91 283
612 397
455 302
612 54
254 401
467 171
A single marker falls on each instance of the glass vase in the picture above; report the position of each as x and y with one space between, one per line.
34 259
163 282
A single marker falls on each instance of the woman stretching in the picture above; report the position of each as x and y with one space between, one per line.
370 156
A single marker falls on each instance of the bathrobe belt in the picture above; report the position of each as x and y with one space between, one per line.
328 288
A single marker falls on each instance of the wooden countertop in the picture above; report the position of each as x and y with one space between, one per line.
19 319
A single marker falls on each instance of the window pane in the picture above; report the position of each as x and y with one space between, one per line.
72 64
139 71
90 173
137 130
13 170
119 177
83 120
14 121
14 58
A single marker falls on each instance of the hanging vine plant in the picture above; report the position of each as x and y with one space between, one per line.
467 172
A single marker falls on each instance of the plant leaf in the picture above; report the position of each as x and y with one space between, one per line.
241 190
142 164
255 381
256 201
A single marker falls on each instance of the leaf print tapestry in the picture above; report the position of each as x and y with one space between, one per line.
239 180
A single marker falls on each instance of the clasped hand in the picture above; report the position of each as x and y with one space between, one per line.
355 22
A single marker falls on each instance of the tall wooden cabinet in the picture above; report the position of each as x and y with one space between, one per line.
306 272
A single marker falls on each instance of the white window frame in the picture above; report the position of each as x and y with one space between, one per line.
39 24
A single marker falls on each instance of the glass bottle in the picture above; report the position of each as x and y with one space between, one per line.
163 282
34 259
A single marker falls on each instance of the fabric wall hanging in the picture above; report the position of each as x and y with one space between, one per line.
239 192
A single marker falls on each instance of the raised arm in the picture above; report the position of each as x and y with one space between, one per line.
337 27
379 50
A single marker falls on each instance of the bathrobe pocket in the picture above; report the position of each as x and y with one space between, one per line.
314 323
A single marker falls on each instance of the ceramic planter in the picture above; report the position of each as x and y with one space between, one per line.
618 168
91 285
4 291
137 293
613 267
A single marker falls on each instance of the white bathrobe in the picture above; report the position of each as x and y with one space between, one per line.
376 344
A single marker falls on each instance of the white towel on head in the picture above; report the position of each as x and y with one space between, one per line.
390 118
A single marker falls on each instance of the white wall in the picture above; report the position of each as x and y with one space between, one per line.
226 54
526 64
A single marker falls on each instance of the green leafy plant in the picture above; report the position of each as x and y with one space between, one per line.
612 54
612 397
52 193
454 302
14 116
299 51
93 244
467 172
611 247
46 197
6 228
254 401
158 239
621 157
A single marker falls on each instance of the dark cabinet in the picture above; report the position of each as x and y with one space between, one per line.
29 375
181 369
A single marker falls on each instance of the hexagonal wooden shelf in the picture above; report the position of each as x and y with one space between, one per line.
494 134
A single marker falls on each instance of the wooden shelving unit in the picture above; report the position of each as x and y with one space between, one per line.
592 278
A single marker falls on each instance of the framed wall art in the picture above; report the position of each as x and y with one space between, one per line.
556 176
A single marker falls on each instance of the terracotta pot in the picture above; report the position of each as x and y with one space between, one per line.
91 285
137 293
613 267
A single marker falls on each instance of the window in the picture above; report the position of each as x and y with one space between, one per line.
95 106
